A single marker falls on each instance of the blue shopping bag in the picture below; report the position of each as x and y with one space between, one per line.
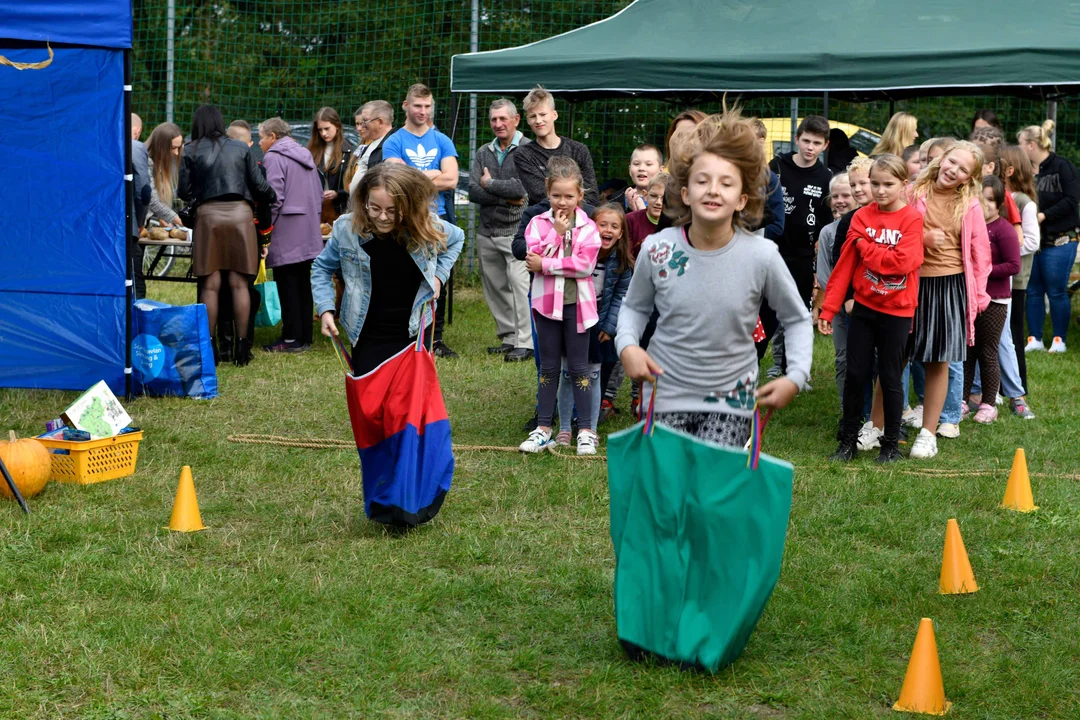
171 352
269 313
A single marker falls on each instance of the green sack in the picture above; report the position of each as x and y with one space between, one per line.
698 538
269 313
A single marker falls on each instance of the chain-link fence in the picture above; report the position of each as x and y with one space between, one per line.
259 58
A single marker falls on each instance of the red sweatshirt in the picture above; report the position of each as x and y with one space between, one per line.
881 259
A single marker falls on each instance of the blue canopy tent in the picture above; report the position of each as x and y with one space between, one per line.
65 197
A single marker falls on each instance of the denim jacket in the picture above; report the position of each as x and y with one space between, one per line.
344 252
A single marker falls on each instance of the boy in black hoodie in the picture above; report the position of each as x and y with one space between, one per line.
806 188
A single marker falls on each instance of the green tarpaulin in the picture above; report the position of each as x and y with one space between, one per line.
854 49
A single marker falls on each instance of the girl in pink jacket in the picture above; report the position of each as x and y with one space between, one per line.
952 280
563 244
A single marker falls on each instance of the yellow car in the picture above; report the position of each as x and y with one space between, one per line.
778 140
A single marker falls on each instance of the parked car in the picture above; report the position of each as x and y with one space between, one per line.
301 133
778 140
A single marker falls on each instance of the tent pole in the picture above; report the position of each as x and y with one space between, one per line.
170 61
794 119
474 46
1051 113
571 133
826 110
129 185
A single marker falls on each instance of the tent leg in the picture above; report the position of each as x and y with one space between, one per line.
794 120
129 212
453 114
571 133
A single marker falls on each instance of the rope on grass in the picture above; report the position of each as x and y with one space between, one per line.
942 473
332 444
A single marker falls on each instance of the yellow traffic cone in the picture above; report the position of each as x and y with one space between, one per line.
956 575
185 511
1018 491
923 690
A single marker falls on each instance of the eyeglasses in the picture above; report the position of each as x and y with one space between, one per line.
364 123
377 213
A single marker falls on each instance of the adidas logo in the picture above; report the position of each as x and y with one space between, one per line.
420 158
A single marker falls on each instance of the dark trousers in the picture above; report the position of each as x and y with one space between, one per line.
1016 327
868 332
557 337
988 326
137 267
444 294
297 307
802 271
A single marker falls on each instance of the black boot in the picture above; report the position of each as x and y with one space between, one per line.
225 351
847 450
890 452
242 355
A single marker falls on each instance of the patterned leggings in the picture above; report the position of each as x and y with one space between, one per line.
717 427
988 326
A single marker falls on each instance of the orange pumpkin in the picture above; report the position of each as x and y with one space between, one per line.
29 463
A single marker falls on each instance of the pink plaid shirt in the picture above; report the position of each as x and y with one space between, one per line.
547 286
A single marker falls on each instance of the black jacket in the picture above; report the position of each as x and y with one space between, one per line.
222 168
336 180
1059 192
518 246
805 208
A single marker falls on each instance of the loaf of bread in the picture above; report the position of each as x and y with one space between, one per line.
326 229
178 234
159 234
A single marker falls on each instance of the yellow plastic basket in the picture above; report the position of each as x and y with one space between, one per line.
93 461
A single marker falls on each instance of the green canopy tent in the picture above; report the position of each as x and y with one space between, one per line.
859 50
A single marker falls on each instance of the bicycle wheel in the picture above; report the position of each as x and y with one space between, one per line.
165 254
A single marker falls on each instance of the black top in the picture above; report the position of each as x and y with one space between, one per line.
805 210
336 180
395 280
530 161
1059 192
222 169
518 246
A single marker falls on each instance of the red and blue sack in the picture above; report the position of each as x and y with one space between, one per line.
402 433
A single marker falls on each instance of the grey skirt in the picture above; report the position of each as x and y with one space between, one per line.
939 329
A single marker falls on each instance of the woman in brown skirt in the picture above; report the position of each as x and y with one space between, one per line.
221 177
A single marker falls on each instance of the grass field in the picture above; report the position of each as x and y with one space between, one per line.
292 605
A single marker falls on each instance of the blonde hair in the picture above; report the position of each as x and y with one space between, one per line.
860 164
415 225
892 165
660 178
732 137
925 147
926 182
536 97
1038 134
840 177
899 133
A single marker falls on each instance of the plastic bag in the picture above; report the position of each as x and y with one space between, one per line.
171 353
269 313
698 537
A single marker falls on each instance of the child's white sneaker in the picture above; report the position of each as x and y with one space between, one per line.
1058 346
913 417
948 430
869 437
538 441
586 442
1034 345
925 445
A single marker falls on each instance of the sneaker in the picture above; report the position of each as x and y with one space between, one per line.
913 417
998 400
518 355
1058 346
443 350
890 452
586 442
635 408
845 452
869 437
1034 345
948 430
538 441
286 347
563 438
1020 409
774 372
986 414
966 409
500 349
607 410
925 445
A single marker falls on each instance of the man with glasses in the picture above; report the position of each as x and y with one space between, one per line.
374 123
494 186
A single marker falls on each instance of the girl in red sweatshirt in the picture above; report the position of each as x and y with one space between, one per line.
881 260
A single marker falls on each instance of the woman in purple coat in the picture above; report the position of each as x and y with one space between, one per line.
291 172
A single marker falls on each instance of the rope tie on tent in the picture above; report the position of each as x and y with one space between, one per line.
29 66
332 444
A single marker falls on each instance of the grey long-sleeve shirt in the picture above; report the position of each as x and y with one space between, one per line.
708 303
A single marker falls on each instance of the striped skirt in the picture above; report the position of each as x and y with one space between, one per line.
939 332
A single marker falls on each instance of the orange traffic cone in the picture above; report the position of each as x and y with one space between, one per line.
923 690
956 575
185 511
1018 491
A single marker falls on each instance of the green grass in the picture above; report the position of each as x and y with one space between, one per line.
292 605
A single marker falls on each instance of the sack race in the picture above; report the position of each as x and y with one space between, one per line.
171 353
269 313
402 433
699 538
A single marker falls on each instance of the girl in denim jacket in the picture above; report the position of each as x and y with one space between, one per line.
394 255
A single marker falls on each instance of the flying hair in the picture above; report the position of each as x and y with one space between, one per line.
693 115
415 226
732 137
